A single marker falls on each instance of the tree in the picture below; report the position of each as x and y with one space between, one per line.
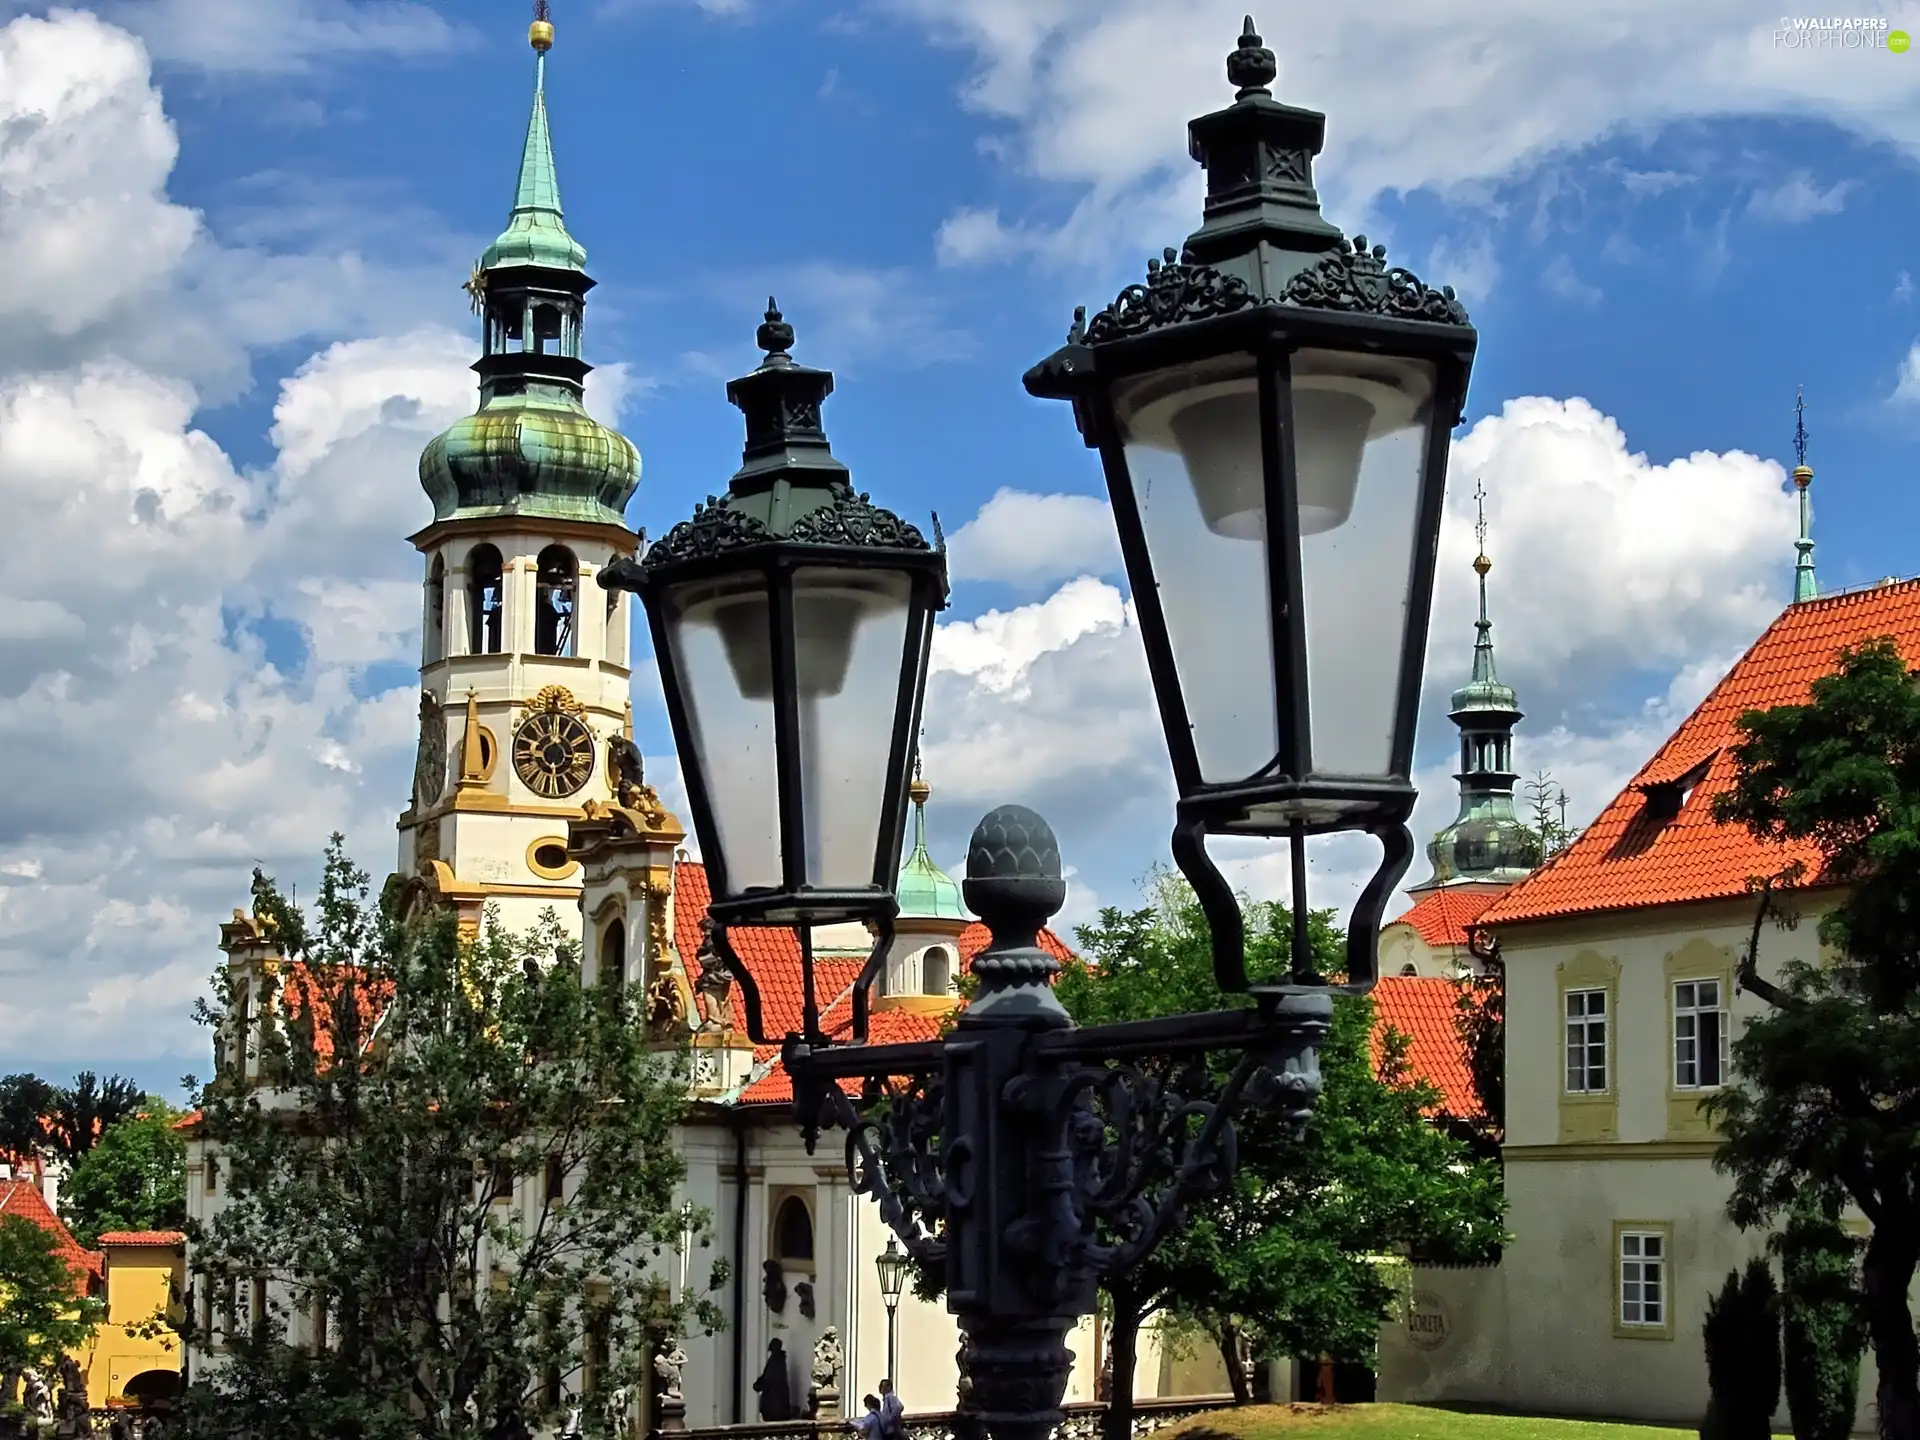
1281 1261
1480 1022
84 1111
1821 1330
1548 800
44 1311
135 1178
1827 1092
480 1153
24 1103
1741 1333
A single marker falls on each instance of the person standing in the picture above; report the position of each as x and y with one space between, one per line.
893 1413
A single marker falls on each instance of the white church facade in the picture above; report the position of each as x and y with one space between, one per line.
527 795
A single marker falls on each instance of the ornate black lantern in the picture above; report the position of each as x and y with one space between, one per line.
1273 409
791 619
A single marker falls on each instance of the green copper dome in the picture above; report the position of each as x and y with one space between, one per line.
1486 842
926 891
531 454
532 449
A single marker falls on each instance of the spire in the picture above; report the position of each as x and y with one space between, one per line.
537 235
1804 585
926 891
1486 841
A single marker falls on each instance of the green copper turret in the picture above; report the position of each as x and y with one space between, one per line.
926 891
1486 842
531 449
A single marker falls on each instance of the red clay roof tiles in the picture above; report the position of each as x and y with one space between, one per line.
22 1198
1630 857
1441 917
1422 1009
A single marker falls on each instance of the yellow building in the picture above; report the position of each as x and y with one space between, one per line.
135 1353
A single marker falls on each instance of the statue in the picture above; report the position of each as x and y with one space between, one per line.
628 771
666 1007
570 1427
773 1287
773 1387
823 1397
430 760
805 1291
715 985
668 1362
619 1411
74 1408
35 1395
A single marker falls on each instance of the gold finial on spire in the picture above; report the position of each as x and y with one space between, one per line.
540 33
919 790
1802 472
1481 564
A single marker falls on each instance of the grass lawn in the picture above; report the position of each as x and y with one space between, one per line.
1403 1422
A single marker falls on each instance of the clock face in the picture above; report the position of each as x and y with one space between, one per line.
553 753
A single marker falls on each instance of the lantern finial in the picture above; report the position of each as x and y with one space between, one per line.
775 336
1252 67
1804 586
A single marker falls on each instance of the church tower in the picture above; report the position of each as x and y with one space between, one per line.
524 670
1487 844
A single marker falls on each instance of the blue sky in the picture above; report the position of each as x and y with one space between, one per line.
1662 225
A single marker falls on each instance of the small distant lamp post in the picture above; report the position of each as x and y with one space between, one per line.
891 1264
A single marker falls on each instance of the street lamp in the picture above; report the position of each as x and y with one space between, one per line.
1293 398
1273 408
891 1264
791 620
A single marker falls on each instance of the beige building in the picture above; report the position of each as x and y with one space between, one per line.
1620 961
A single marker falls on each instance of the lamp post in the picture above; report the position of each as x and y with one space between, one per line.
891 1265
1293 399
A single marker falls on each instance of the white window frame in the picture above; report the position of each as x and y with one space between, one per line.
1646 1252
1686 1047
1587 1021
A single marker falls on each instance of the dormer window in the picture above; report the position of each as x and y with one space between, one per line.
1666 798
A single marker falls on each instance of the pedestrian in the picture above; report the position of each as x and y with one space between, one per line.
893 1414
867 1425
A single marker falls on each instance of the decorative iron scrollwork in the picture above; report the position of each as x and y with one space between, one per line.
851 518
892 1151
715 529
1355 279
1176 292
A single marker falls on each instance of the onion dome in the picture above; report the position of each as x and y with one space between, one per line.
532 449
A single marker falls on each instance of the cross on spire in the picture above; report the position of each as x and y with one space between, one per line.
1800 427
1480 515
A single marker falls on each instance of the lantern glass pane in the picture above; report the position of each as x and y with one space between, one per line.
850 636
1192 440
719 632
1361 423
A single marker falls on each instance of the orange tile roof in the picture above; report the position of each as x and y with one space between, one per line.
1422 1009
773 955
1630 858
142 1238
1441 917
23 1198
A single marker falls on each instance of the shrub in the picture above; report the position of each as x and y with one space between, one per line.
1742 1336
1823 1331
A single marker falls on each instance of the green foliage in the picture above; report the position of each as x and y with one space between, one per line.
1283 1257
134 1179
1828 1083
25 1101
1822 1331
1742 1336
40 1316
1480 1021
433 1080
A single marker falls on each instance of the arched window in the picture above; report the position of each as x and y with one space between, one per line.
616 641
613 956
554 594
793 1231
485 600
434 642
936 972
504 328
1409 969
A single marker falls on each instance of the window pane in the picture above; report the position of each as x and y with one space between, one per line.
1576 1004
1710 1043
1683 995
1629 1244
1650 1246
1596 1002
1709 991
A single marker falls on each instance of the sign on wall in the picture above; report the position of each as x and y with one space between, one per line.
1428 1323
